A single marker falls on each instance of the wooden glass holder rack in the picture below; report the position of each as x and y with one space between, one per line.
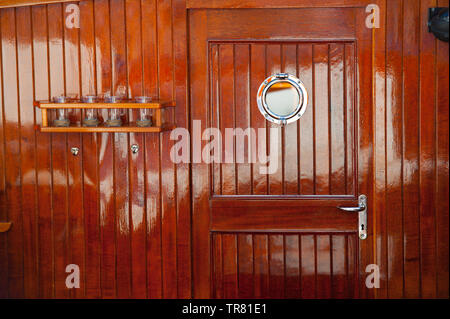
157 106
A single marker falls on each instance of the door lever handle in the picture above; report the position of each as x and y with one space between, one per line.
361 209
353 209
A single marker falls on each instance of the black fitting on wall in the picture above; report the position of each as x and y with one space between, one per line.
438 22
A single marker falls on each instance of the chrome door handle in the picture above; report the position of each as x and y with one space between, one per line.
362 215
353 209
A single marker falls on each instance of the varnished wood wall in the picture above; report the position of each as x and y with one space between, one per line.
125 218
411 155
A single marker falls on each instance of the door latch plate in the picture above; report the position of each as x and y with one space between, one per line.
362 217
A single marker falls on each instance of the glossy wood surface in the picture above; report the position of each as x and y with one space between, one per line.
242 49
284 265
19 3
412 109
124 128
121 105
125 218
317 153
110 211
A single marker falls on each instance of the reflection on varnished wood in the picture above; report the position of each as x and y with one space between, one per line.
316 155
103 209
294 265
126 220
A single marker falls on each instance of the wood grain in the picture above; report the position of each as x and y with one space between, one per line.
138 225
275 204
332 137
20 3
12 153
276 265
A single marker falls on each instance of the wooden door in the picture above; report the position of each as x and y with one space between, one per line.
281 235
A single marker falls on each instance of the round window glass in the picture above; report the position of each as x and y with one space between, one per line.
282 98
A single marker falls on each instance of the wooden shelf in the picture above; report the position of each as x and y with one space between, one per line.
101 105
77 128
158 106
21 3
4 227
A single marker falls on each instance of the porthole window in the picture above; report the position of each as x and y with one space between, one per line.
282 98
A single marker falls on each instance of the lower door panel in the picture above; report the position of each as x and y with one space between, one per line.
284 265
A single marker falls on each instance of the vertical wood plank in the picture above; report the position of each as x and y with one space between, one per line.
200 205
183 169
308 266
349 118
121 153
292 264
3 210
336 110
257 76
76 212
394 119
427 155
379 70
321 119
442 213
276 179
59 153
28 147
242 117
352 266
153 188
230 263
90 155
261 265
218 266
276 266
76 244
290 143
216 169
411 149
306 125
152 154
106 157
137 203
11 120
365 121
168 192
41 88
245 265
323 275
228 114
123 254
339 263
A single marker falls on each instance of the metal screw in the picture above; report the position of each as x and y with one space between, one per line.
134 148
74 151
